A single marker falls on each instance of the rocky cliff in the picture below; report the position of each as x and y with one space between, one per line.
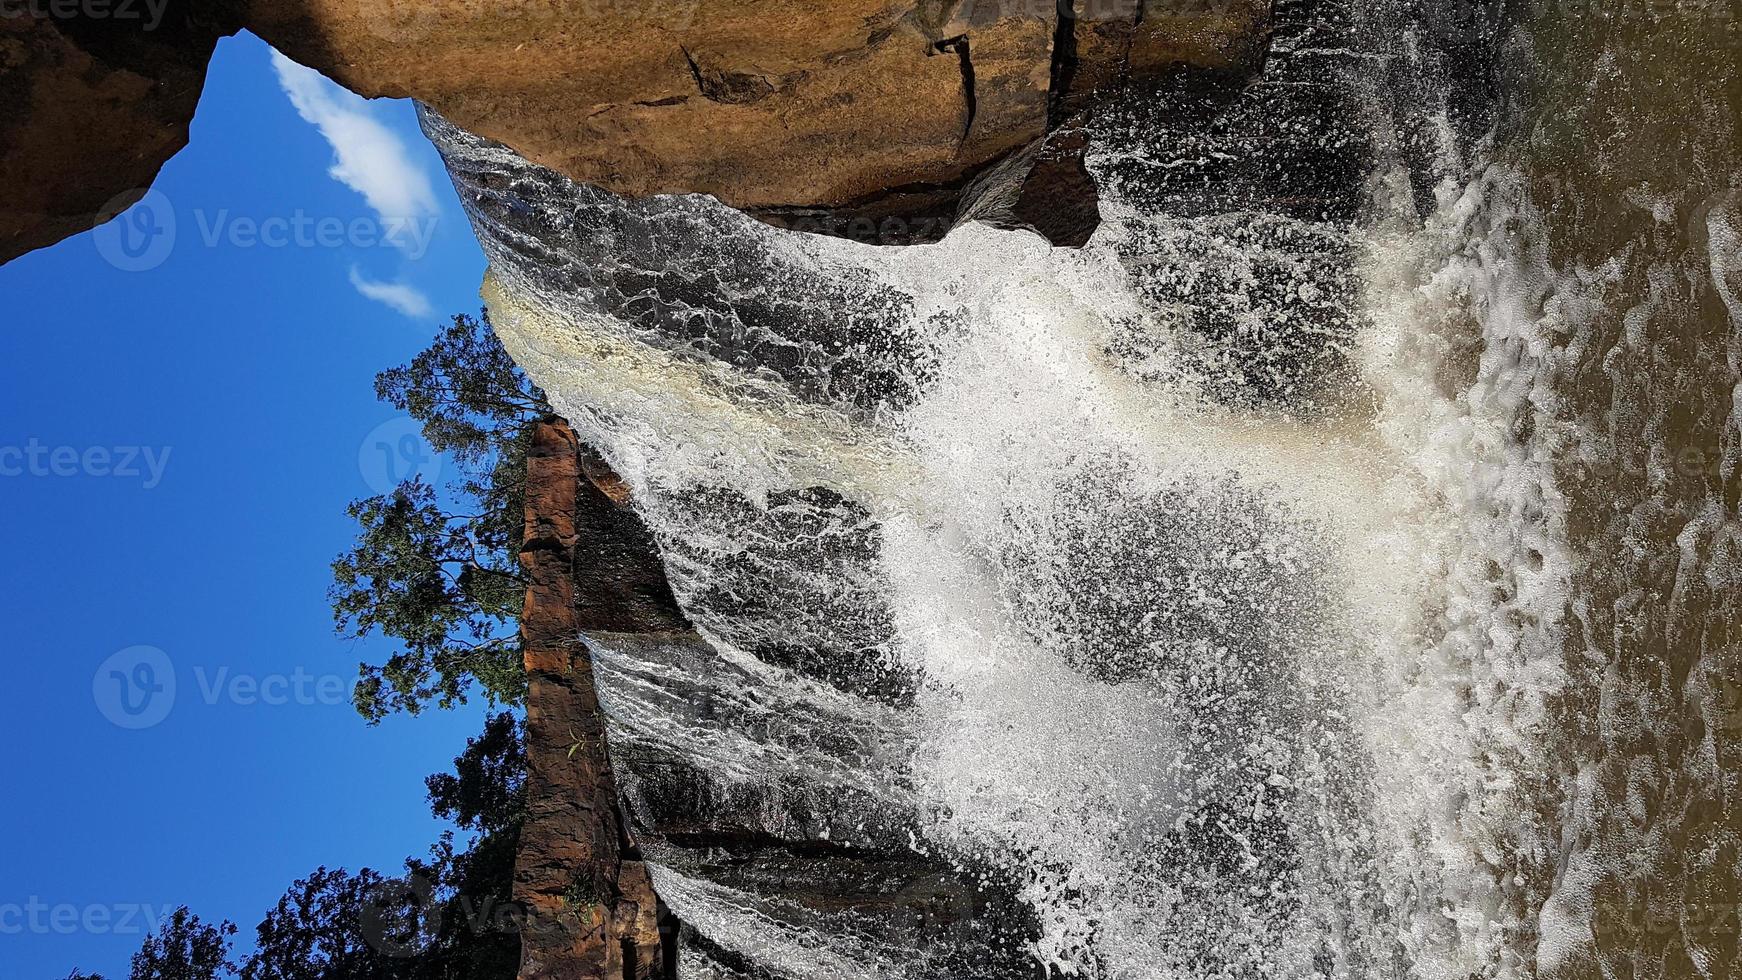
588 900
94 106
612 814
860 117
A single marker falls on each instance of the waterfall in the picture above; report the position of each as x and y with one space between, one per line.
1230 597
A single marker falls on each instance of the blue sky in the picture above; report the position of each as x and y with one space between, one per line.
181 429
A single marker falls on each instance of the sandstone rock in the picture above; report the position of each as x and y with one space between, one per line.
859 117
763 106
589 904
93 109
1112 42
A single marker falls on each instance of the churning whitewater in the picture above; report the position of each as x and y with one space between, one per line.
1194 602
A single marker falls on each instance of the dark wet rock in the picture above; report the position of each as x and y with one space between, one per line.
736 787
1045 189
1249 191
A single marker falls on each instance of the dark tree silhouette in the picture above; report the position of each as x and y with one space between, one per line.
185 949
334 925
448 917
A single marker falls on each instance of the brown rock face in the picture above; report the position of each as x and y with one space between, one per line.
813 114
589 903
762 105
93 108
862 118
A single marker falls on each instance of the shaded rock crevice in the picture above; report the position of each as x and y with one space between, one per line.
727 87
961 47
94 107
1064 62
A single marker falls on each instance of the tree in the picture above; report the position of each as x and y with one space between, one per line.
440 572
479 938
449 917
185 948
331 925
487 790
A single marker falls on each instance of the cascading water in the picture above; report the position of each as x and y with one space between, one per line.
1216 600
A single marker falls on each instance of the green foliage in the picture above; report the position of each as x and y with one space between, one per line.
487 790
440 572
478 407
419 574
450 916
333 924
185 949
486 794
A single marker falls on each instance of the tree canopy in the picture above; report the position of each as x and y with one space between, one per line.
448 916
436 569
439 570
183 948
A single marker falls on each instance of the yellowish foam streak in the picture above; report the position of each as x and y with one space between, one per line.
726 418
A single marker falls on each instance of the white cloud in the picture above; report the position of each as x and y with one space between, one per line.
369 158
406 299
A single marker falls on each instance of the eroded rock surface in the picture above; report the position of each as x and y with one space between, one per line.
857 117
93 108
588 899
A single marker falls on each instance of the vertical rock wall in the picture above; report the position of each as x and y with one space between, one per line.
590 907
